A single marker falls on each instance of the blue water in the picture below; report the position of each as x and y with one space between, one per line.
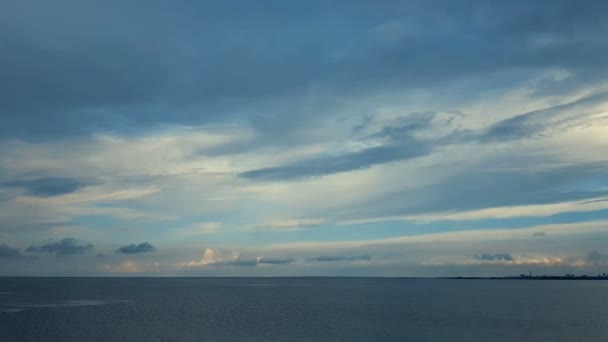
301 309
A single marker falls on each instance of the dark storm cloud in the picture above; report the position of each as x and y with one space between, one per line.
494 257
64 247
8 252
330 258
46 187
143 247
276 261
66 66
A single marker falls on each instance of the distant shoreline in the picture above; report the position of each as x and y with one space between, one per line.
541 277
533 278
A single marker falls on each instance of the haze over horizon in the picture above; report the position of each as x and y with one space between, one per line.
418 138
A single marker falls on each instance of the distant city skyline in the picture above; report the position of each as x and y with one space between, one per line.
400 138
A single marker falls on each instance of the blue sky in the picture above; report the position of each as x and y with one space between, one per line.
419 138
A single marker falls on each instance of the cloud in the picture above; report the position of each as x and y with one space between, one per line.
127 266
397 142
539 234
8 252
74 79
330 258
514 184
289 224
211 258
64 247
494 257
597 258
367 134
46 187
316 167
143 247
237 262
546 120
401 143
275 261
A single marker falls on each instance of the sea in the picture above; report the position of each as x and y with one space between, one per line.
302 309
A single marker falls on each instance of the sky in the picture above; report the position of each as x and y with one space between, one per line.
314 138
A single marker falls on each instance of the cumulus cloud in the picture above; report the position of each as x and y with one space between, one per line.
212 258
329 258
67 246
494 257
143 247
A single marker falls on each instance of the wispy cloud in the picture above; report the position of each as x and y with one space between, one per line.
331 258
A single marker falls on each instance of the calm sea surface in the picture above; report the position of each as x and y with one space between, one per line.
301 309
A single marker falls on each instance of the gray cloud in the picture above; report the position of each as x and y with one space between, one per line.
501 181
330 258
46 187
64 247
597 258
539 234
242 262
400 142
8 252
57 80
494 257
235 262
321 166
545 120
404 127
276 261
143 247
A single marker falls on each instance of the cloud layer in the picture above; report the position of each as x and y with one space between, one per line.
303 139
